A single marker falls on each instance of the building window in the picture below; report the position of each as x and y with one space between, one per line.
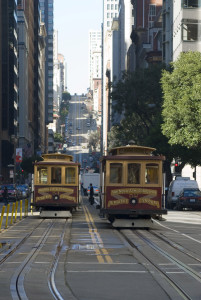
190 30
151 24
108 24
152 10
108 6
112 6
191 3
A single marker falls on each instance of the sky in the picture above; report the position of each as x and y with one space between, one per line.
74 19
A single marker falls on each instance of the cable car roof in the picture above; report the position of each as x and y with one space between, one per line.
131 150
57 157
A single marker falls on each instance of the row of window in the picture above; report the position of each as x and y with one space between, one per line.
191 3
112 6
151 174
112 15
69 176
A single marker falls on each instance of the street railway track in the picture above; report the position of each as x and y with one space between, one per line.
17 288
138 240
13 248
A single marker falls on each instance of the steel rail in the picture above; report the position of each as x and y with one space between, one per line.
16 246
17 280
179 289
176 246
173 259
51 279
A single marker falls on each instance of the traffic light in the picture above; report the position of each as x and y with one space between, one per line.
176 167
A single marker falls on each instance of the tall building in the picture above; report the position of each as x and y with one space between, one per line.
147 32
9 85
29 15
47 17
40 87
23 50
1 176
95 42
63 66
167 51
186 26
110 11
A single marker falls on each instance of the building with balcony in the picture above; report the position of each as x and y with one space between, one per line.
146 33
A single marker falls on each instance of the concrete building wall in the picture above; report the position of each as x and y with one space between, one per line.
167 31
95 41
186 29
0 89
23 79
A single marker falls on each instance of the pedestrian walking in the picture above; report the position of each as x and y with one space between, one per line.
91 194
5 195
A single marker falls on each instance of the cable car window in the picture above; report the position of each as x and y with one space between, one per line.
133 173
56 175
70 175
42 175
151 173
116 173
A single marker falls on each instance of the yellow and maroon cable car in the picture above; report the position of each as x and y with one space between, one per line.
56 185
131 186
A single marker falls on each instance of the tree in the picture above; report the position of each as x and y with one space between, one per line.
94 140
58 138
139 96
66 96
182 101
27 164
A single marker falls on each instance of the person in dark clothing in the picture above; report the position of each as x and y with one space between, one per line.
5 195
91 195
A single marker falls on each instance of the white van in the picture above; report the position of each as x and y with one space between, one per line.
176 186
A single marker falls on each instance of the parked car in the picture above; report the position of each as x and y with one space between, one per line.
13 192
25 191
176 186
189 198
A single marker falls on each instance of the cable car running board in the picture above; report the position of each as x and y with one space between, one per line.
55 214
133 223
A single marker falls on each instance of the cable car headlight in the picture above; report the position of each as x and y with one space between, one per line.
133 201
56 197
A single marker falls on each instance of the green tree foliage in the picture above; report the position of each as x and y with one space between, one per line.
182 101
66 96
27 164
58 138
94 140
139 96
